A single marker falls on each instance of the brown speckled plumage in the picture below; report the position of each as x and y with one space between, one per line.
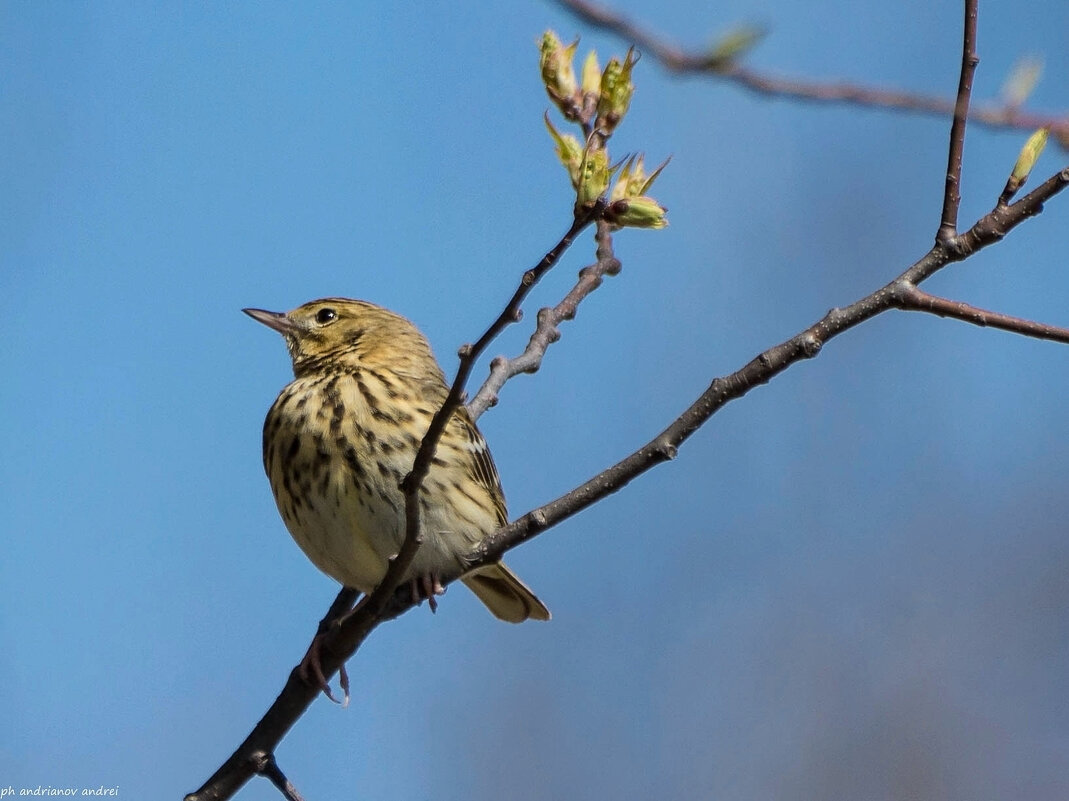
342 435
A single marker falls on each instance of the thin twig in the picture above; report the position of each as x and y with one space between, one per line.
990 228
911 298
546 331
676 59
265 765
948 225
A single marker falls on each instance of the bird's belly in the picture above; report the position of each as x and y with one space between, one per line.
347 531
345 509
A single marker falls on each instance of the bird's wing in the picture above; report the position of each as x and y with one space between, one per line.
481 467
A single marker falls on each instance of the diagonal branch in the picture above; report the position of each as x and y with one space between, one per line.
678 60
987 231
766 366
763 368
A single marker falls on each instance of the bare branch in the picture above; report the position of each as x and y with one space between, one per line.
989 229
804 345
546 331
911 298
676 59
948 225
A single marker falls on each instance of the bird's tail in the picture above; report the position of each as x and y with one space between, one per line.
504 594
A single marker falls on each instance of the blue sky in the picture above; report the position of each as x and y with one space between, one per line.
853 583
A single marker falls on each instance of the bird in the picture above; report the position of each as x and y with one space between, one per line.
340 438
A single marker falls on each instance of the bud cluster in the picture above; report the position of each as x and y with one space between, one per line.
597 102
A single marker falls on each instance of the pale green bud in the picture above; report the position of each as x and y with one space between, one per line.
594 176
633 180
637 212
1025 162
1030 154
569 151
591 74
555 62
616 91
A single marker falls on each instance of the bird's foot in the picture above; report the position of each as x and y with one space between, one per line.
428 587
310 670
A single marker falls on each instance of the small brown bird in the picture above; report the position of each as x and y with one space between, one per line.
344 433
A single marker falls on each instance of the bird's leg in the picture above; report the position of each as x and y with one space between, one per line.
311 667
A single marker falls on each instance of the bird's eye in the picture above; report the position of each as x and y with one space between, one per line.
325 315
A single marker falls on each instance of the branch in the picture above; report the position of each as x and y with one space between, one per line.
910 298
546 331
266 766
767 365
988 229
948 226
678 60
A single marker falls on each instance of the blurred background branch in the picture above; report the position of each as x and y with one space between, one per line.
723 61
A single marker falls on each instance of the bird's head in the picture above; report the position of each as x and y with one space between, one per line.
339 333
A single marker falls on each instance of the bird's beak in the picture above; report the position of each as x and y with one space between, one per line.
279 321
